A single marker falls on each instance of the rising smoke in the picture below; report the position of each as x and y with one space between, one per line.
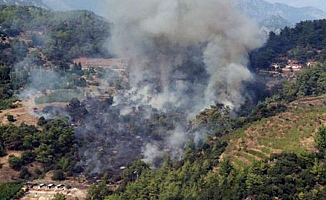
184 54
173 43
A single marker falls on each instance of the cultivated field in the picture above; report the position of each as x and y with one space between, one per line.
291 131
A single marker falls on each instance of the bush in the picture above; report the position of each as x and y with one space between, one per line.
41 121
24 173
59 196
321 139
58 176
27 157
11 118
2 149
14 162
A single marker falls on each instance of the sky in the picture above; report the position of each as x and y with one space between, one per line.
321 4
98 4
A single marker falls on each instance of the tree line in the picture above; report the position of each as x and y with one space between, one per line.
306 41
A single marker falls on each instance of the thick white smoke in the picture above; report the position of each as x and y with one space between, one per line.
156 35
186 54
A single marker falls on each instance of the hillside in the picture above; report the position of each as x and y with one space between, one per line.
59 36
33 37
79 117
291 131
36 3
279 156
281 14
303 43
276 151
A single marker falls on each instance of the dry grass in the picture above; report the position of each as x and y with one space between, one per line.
6 173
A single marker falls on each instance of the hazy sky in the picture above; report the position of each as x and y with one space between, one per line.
98 4
321 4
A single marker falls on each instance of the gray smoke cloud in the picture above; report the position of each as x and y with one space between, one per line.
185 54
157 37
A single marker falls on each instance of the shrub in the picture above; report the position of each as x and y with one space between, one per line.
11 118
14 162
58 176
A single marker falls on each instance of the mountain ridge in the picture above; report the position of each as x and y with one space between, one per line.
275 16
36 3
261 10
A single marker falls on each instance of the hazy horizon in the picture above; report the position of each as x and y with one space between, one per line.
320 4
97 5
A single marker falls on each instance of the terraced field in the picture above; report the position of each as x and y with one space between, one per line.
291 131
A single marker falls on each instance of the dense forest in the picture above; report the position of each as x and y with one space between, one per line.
305 42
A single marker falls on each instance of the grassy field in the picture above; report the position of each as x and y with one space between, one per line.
291 131
59 96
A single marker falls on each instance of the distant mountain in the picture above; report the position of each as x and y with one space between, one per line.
97 6
275 16
270 16
36 3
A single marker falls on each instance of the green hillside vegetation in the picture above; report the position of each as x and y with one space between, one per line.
281 156
304 42
10 190
59 96
34 38
54 146
311 82
281 176
290 131
60 36
275 152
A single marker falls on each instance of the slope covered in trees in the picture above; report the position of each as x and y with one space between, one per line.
291 172
58 35
284 160
305 42
54 147
33 38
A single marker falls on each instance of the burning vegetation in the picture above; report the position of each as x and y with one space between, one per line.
182 84
142 107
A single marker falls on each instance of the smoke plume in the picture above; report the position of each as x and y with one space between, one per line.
184 54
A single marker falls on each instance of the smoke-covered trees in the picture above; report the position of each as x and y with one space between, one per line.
174 180
134 171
